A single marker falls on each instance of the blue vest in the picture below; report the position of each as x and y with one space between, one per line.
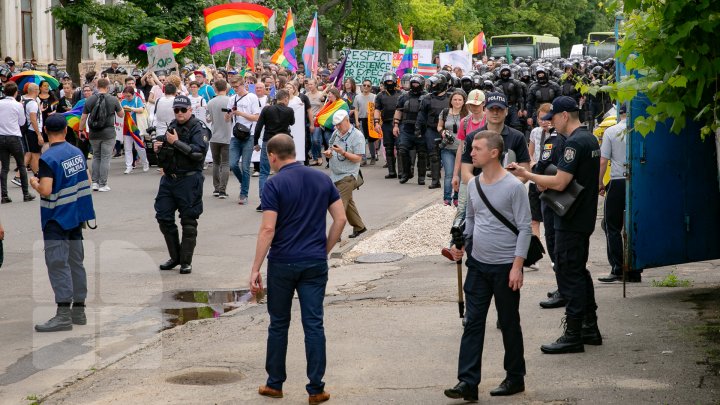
70 203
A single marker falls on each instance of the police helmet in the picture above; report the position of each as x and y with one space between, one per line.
389 80
438 83
405 80
519 60
597 71
488 85
529 60
5 70
477 82
525 74
466 83
121 71
63 75
446 75
416 83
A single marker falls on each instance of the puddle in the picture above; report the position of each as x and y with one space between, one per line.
205 377
212 304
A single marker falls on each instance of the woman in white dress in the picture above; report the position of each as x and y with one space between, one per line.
297 131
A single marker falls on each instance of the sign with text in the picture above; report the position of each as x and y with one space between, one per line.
424 50
460 59
368 65
161 57
397 57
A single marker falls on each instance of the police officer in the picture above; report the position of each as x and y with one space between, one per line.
385 104
404 126
567 83
181 153
514 94
66 205
542 91
581 162
426 124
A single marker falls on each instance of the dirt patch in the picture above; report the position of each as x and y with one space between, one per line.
205 377
707 304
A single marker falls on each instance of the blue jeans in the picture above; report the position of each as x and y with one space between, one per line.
447 157
242 149
309 278
264 168
319 135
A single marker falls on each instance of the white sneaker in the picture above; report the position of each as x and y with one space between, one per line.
104 189
146 167
95 187
128 170
256 174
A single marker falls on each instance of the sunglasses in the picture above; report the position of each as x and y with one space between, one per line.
367 85
180 110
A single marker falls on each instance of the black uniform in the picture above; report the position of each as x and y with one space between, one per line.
427 121
514 93
386 102
513 140
181 188
540 93
409 104
581 158
552 150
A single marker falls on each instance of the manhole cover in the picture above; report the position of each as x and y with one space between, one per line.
212 377
379 257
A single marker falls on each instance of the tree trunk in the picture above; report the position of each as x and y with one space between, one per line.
73 36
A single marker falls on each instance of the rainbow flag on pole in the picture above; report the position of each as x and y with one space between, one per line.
176 46
478 44
406 63
310 50
325 115
130 128
250 54
403 37
238 25
285 56
73 116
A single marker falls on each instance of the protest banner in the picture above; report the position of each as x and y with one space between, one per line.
368 65
460 59
161 57
371 122
424 50
397 57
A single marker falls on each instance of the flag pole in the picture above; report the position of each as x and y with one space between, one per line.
213 59
229 55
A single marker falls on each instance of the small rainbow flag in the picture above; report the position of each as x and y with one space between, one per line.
130 128
285 56
177 46
73 116
239 25
325 115
403 37
250 56
406 64
478 44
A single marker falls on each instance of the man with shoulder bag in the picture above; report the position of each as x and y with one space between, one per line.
243 110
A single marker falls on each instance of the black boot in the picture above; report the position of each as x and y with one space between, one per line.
392 174
434 171
590 332
421 165
77 315
555 301
404 166
570 341
172 240
189 238
61 321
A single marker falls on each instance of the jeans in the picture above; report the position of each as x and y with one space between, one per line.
64 257
320 136
102 152
447 156
573 278
221 170
242 149
309 279
12 146
264 169
483 282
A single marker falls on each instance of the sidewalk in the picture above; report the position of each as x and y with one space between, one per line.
393 336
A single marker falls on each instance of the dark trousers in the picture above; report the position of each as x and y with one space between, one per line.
573 278
12 146
64 257
548 216
484 281
613 223
182 194
309 279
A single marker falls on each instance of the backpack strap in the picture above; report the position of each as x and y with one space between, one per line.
492 209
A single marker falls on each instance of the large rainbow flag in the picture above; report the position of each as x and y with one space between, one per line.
176 46
238 25
325 115
406 63
131 129
73 116
310 50
285 55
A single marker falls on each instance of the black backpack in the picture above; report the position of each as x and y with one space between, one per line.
97 119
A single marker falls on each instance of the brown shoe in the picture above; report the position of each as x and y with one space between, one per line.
318 398
266 391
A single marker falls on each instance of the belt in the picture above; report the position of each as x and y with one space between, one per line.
181 175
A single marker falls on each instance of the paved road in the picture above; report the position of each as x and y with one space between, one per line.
126 290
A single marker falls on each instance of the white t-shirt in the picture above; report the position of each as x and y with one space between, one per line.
164 114
199 107
536 139
33 106
248 104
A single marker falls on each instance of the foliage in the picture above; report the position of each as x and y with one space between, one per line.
668 44
672 280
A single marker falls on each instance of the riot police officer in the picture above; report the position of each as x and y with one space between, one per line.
427 121
542 91
385 104
181 154
514 94
567 83
404 126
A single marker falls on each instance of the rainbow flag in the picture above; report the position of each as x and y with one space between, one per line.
285 56
177 46
73 116
406 64
478 44
310 50
250 55
325 115
239 25
403 37
130 128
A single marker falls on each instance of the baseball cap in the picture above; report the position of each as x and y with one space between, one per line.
199 72
623 108
561 104
55 123
181 101
496 100
476 97
339 116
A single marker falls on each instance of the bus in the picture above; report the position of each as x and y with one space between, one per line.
525 45
600 45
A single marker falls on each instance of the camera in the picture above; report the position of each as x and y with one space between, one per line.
447 140
151 131
226 110
457 230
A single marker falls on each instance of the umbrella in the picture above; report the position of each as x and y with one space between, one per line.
34 76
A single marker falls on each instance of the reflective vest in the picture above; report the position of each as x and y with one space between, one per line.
70 203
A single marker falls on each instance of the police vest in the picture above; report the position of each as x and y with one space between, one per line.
389 102
70 203
437 105
568 88
544 94
174 162
509 88
410 111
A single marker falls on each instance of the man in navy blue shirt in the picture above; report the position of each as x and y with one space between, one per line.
295 204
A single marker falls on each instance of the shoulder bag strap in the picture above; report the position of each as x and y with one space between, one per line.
492 209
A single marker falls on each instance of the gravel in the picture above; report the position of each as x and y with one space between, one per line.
423 234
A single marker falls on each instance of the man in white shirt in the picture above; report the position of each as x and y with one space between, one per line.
199 105
244 110
163 112
12 118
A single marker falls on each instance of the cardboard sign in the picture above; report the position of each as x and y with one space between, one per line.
368 65
460 59
424 50
161 57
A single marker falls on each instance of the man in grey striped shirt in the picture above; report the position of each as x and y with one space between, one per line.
495 265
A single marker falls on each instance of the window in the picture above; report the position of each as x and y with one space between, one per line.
58 37
27 29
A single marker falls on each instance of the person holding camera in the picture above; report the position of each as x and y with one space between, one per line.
244 110
181 154
448 126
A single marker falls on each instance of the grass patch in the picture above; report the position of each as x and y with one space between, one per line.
672 280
